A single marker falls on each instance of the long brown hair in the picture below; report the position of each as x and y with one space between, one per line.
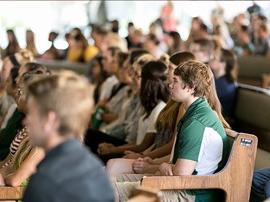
153 85
13 45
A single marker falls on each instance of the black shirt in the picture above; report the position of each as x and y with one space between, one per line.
69 173
8 133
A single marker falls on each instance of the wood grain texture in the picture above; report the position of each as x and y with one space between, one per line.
11 193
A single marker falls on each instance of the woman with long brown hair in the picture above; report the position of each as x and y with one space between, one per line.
13 45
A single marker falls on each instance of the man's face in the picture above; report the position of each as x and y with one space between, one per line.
35 122
108 62
180 92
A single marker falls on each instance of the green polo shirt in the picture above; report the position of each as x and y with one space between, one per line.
8 133
202 138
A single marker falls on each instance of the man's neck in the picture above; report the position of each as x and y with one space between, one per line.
189 101
54 141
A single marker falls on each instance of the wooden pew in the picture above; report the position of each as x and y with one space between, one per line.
11 193
252 113
252 68
235 179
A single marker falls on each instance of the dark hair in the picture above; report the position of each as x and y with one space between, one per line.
135 54
153 38
122 57
263 27
244 28
97 61
36 67
262 17
130 24
198 19
203 27
176 40
114 50
99 30
13 46
153 85
52 36
14 72
181 57
230 60
115 26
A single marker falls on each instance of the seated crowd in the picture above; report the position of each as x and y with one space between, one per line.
141 112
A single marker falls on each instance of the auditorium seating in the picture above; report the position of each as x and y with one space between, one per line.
252 115
252 69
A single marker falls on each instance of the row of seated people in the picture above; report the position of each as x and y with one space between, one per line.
172 108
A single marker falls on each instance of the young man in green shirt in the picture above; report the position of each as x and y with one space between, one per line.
201 146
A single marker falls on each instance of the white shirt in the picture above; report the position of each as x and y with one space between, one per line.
148 125
106 87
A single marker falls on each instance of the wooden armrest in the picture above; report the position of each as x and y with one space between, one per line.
181 182
231 133
11 193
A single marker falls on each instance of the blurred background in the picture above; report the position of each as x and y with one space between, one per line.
61 16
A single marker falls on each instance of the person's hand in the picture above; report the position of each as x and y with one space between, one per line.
166 169
140 165
149 160
2 181
105 148
102 103
131 155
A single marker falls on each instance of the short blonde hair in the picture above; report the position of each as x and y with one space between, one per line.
114 40
141 61
69 96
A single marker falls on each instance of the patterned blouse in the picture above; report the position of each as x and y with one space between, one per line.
14 146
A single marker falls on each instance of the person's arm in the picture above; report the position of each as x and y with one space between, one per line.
148 165
182 167
147 141
187 150
109 117
160 151
26 169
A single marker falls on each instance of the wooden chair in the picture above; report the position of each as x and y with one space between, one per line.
11 193
235 179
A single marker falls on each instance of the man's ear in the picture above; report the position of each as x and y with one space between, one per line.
191 90
51 123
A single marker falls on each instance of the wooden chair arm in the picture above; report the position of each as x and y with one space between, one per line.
231 133
181 182
11 193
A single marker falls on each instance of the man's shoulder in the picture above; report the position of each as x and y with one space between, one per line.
74 160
